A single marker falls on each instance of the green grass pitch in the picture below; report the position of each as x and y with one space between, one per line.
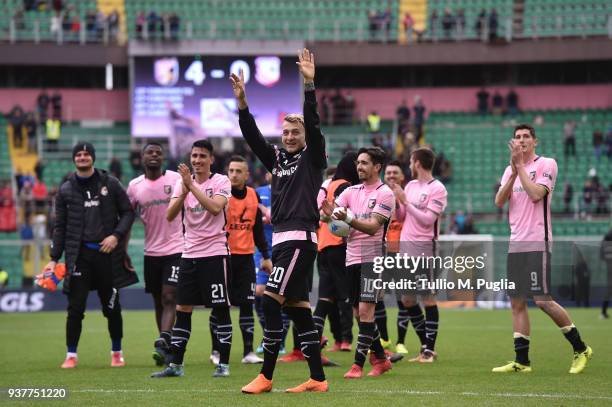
470 343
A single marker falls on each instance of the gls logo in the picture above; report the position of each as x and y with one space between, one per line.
22 302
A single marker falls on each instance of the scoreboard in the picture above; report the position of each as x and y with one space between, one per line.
196 90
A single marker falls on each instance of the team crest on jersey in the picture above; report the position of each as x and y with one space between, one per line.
532 176
371 203
209 192
168 189
423 198
104 191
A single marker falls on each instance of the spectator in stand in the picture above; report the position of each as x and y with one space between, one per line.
433 25
448 23
497 103
175 25
67 21
373 123
54 132
325 109
29 5
339 106
90 25
58 6
403 111
40 196
568 194
16 118
152 22
56 103
468 226
373 24
115 168
598 145
419 117
101 24
493 25
480 23
26 199
588 192
30 128
75 27
56 23
512 103
18 19
402 115
113 24
483 101
136 162
408 23
141 20
39 170
42 104
603 196
569 138
385 23
442 168
460 24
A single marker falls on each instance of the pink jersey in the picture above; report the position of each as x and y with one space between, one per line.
151 198
205 234
322 192
365 200
530 221
429 195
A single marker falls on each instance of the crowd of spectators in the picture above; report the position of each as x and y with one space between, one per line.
337 108
497 104
595 197
67 21
379 25
157 26
44 121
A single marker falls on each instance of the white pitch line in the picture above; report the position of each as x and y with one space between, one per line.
560 396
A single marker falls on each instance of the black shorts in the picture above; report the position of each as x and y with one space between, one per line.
332 273
362 284
530 273
204 281
293 267
161 270
242 281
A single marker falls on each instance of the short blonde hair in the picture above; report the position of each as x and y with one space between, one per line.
295 118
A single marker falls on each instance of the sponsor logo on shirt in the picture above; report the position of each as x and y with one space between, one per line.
92 203
156 202
284 172
547 175
385 207
168 189
436 202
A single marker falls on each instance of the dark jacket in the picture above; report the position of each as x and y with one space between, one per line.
117 217
296 178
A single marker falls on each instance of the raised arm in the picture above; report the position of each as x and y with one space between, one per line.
262 149
312 123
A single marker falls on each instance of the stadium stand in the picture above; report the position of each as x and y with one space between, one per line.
476 146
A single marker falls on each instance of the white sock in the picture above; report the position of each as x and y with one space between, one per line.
71 355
